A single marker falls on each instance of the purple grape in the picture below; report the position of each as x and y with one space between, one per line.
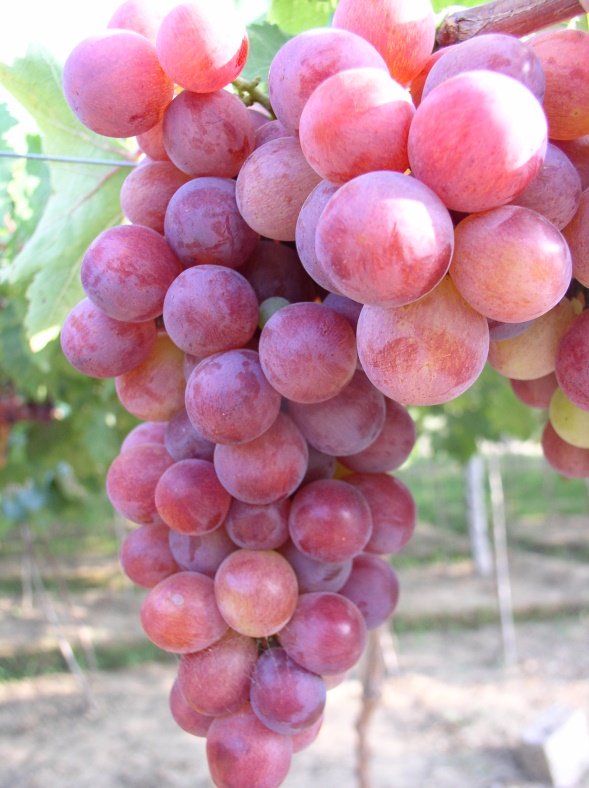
326 633
228 398
287 698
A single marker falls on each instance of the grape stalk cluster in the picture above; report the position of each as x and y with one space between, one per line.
286 285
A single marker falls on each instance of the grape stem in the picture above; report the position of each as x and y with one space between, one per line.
515 17
249 92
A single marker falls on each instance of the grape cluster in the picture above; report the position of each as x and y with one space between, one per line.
282 286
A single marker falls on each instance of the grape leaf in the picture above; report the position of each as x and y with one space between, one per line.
294 16
265 41
84 199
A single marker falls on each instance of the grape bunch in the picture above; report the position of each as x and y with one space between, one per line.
285 287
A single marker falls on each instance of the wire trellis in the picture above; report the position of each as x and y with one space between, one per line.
69 159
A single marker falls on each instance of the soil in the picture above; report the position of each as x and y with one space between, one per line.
451 713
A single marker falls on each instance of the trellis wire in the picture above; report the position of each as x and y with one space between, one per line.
68 159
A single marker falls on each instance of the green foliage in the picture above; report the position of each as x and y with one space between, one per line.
489 410
84 198
265 41
294 16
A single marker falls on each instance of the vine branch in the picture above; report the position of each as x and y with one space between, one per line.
249 93
515 17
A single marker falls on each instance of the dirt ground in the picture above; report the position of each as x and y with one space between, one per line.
451 714
451 718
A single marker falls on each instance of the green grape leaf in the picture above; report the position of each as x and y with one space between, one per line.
265 41
84 197
294 16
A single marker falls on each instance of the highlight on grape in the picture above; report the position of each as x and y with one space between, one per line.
287 285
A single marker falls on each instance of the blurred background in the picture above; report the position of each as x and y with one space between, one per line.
492 627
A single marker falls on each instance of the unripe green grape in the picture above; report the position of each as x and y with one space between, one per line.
570 422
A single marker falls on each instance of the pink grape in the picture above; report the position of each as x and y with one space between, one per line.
274 270
184 442
210 308
154 390
256 591
127 270
151 142
190 498
287 698
131 481
187 718
329 521
258 115
208 133
304 739
308 352
234 658
326 633
203 224
345 307
577 151
535 393
392 508
572 362
425 353
373 587
101 347
258 527
417 84
313 575
204 553
563 457
180 614
531 355
138 15
266 469
499 331
115 85
305 61
228 398
403 31
146 432
576 234
146 557
147 190
321 466
564 56
510 263
555 192
504 54
201 47
391 448
374 219
346 423
270 131
241 750
355 122
478 140
272 186
305 233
